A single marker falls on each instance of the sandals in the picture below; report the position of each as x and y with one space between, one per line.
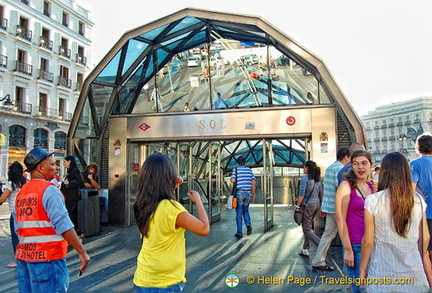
325 267
304 252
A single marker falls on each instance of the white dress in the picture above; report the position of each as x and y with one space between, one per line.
394 257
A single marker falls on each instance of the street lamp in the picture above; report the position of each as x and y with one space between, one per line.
403 137
8 99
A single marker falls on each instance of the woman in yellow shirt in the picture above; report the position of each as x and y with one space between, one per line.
162 222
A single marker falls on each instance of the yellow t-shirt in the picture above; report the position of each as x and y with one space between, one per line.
162 259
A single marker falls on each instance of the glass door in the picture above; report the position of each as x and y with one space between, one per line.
215 183
267 183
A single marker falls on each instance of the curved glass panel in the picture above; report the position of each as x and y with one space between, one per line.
109 73
101 96
134 50
85 126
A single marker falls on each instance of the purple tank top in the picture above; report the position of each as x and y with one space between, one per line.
355 216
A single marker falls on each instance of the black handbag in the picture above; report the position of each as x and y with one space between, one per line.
298 215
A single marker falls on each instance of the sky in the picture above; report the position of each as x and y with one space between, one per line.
378 51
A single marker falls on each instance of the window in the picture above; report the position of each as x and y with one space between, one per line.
47 8
43 107
44 64
45 39
41 138
64 77
81 28
64 48
79 82
65 19
20 63
17 136
60 141
19 95
62 108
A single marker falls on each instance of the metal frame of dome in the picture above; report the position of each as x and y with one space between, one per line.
185 29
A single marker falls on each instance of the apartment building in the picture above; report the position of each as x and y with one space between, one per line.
395 127
45 54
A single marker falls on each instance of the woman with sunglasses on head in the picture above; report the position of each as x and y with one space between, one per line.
393 218
349 205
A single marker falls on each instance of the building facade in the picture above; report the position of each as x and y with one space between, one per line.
45 53
395 127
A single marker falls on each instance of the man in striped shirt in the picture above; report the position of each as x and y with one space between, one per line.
328 209
245 183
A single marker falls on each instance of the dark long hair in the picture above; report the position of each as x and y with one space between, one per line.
314 172
350 175
15 175
157 181
73 163
395 177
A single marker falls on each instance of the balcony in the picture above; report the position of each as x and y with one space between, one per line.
376 127
3 23
78 86
399 123
384 138
417 120
81 59
45 75
24 108
383 126
391 125
45 43
3 61
64 51
50 113
376 139
23 67
407 122
64 81
24 33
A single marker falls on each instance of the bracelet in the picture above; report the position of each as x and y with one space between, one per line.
297 207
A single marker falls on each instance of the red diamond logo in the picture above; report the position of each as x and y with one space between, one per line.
144 126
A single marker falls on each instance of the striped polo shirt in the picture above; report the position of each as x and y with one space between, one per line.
244 177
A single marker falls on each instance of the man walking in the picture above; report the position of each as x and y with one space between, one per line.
245 185
421 169
328 210
44 229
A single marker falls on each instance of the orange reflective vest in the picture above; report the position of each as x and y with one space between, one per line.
38 240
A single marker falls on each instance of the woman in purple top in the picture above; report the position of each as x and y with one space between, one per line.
349 204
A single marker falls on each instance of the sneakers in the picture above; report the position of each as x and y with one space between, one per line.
249 230
304 252
11 265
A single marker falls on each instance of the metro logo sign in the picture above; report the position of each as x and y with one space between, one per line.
144 126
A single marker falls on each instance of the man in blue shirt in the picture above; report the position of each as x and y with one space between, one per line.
245 184
328 210
421 170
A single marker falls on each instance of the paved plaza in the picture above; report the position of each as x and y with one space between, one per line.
264 262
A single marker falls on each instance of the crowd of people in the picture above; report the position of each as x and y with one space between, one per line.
384 221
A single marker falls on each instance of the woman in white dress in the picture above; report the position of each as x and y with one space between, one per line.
393 218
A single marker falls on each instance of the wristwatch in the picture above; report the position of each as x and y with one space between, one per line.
297 207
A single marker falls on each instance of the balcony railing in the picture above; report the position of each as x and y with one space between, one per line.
407 122
78 86
23 67
3 23
64 51
50 113
64 81
45 75
24 108
24 33
24 1
81 59
3 61
417 120
45 43
399 123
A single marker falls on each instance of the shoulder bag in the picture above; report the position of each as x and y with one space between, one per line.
298 215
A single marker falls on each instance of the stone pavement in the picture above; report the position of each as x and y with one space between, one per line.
266 260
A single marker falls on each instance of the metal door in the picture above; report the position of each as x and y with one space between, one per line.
215 184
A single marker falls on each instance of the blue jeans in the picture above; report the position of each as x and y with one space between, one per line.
173 288
14 236
242 210
42 276
354 272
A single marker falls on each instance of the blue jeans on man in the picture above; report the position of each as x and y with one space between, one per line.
42 276
242 210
